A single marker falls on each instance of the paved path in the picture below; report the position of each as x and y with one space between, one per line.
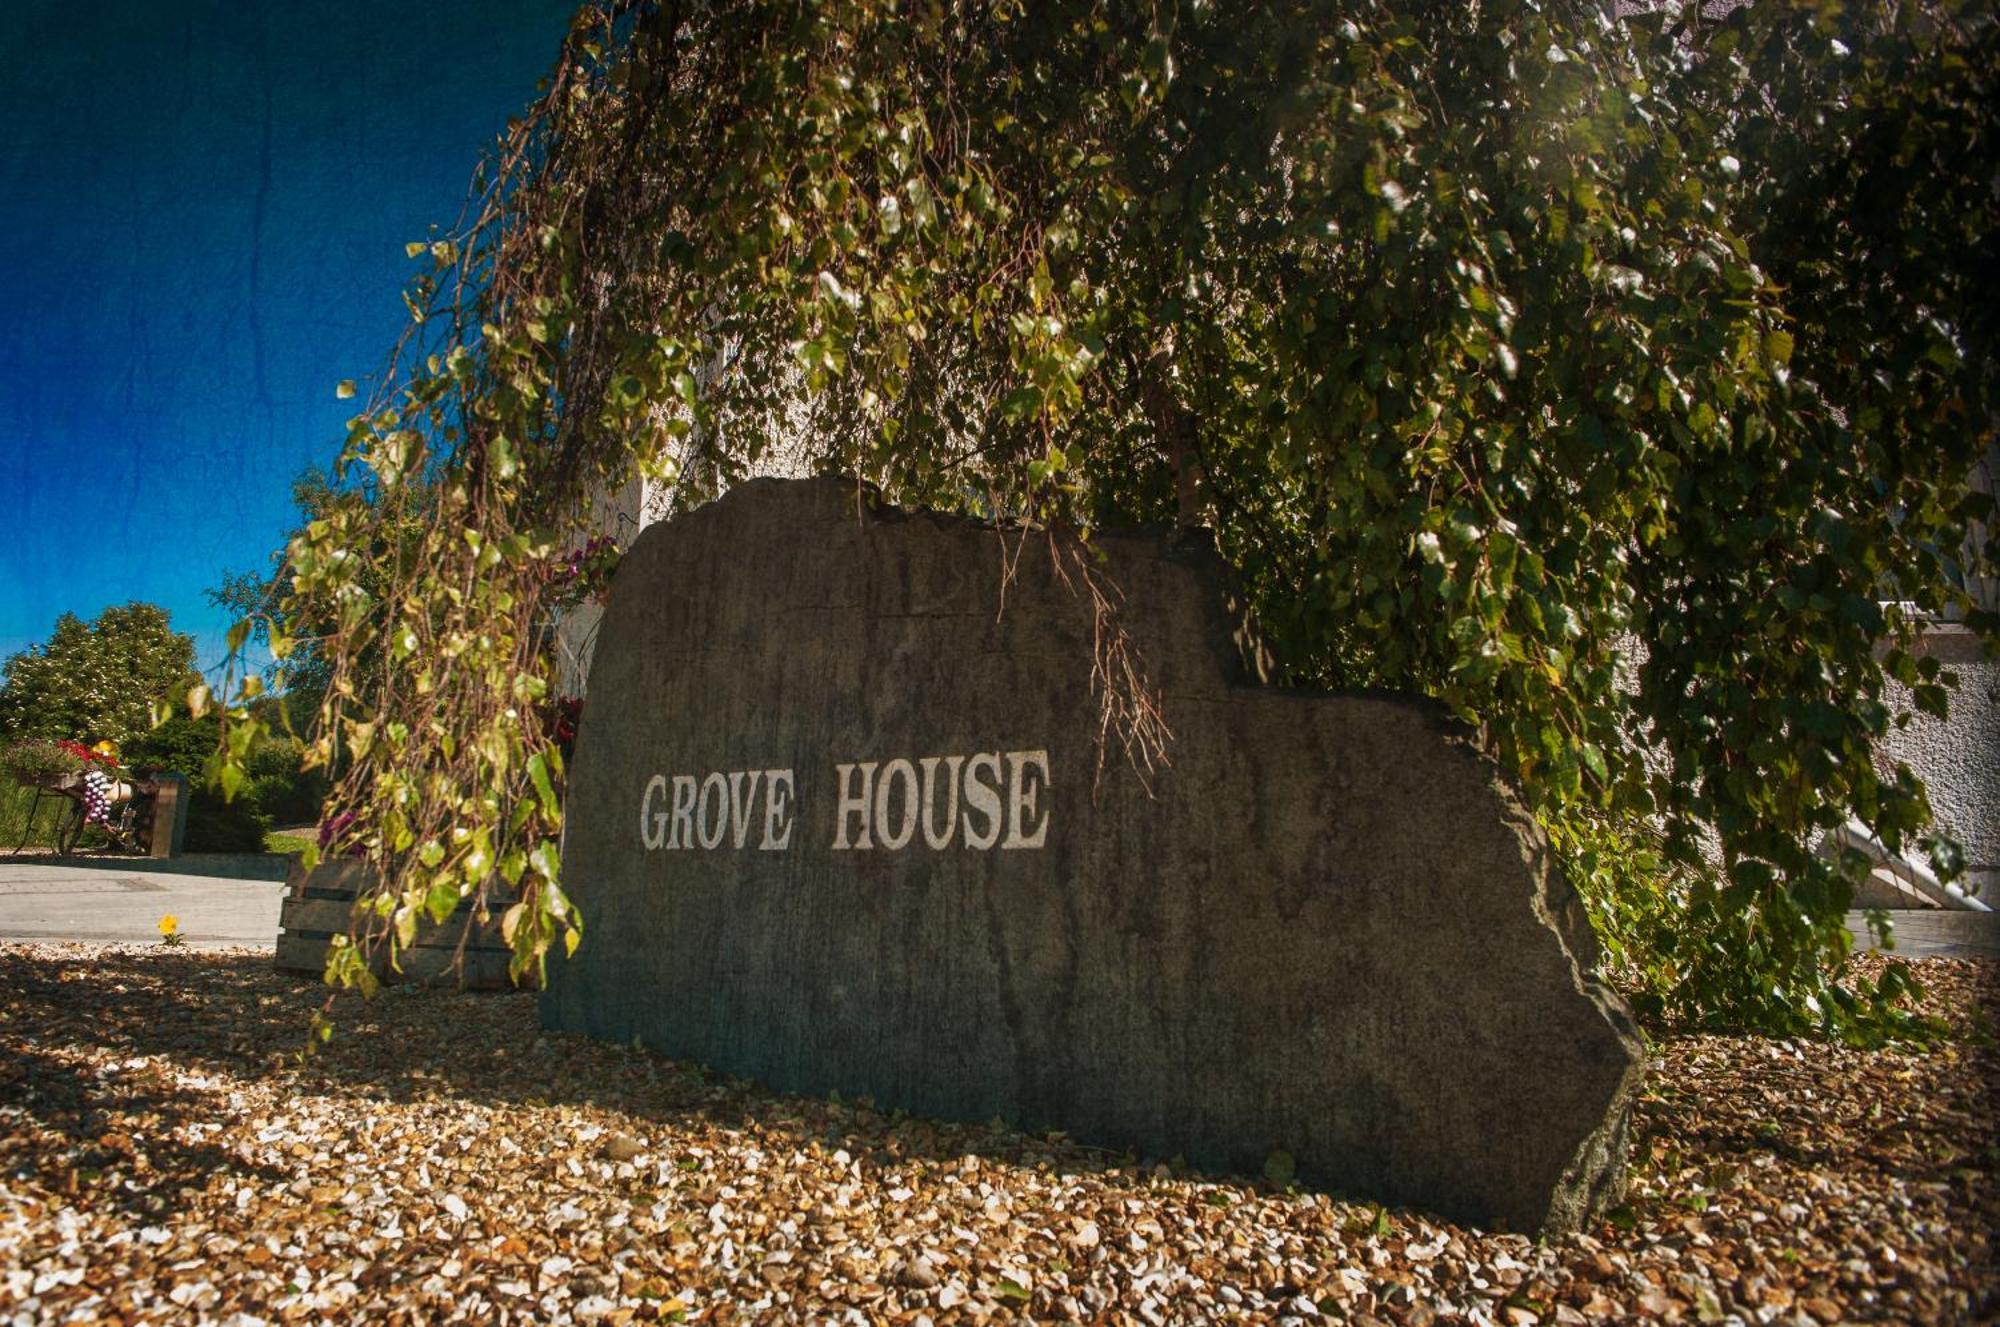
120 901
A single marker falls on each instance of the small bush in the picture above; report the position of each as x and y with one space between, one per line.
16 801
273 757
278 791
217 826
288 799
284 792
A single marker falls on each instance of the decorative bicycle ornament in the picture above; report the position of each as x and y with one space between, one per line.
84 784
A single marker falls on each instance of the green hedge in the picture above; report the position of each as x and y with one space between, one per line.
217 826
278 792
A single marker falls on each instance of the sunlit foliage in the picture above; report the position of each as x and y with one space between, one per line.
1604 380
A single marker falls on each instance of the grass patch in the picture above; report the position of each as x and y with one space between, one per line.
15 804
293 844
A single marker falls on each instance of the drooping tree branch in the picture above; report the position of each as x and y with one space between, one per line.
1499 345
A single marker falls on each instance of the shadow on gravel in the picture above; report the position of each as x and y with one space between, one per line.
230 1016
85 1115
1772 1169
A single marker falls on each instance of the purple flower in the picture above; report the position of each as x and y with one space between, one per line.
331 830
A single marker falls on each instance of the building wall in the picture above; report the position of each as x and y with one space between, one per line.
1958 758
642 502
621 515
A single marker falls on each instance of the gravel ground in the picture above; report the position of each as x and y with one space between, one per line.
164 1156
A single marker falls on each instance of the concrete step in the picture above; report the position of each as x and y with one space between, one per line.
1934 932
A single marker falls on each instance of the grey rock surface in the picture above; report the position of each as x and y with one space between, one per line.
1329 927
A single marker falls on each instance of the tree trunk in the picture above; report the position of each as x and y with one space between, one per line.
1175 425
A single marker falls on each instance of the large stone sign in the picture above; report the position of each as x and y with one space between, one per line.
838 821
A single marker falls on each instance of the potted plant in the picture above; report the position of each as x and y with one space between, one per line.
40 763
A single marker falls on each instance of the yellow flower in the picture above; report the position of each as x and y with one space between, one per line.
169 924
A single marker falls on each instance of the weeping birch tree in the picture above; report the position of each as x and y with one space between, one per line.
1612 382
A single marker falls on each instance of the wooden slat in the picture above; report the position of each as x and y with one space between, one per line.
1928 932
484 969
320 904
309 914
337 914
344 874
448 932
297 954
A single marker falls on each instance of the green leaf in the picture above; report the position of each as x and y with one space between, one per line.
500 457
1593 760
441 900
538 773
546 862
1021 403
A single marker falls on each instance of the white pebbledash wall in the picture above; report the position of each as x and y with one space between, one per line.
623 514
1958 758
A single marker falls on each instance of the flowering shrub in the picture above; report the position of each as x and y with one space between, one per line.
583 575
559 720
339 836
89 755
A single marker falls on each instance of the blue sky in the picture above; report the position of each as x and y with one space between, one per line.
203 208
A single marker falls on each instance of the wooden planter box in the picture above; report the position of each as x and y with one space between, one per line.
54 783
123 786
320 904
